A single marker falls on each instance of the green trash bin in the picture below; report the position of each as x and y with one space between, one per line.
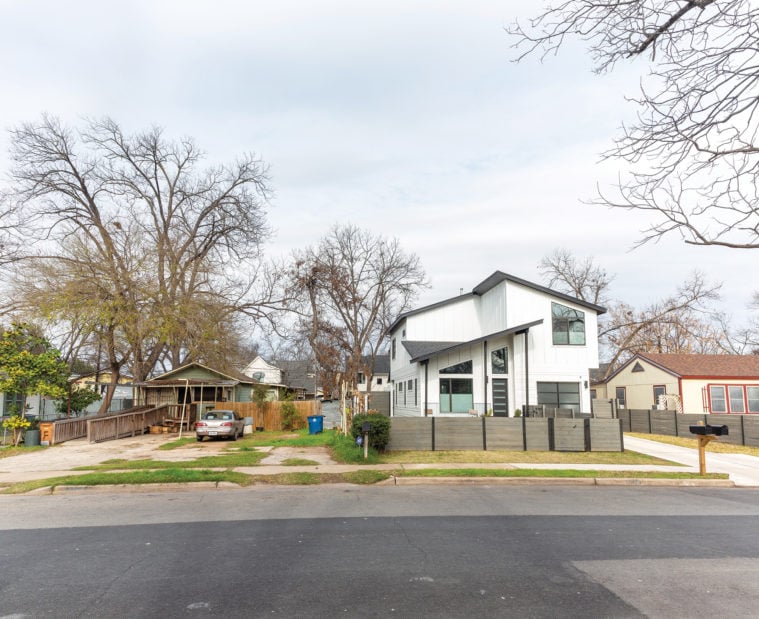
31 438
315 424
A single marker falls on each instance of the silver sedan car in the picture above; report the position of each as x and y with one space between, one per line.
219 423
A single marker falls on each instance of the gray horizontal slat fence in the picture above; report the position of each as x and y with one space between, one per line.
751 430
639 421
602 409
410 433
663 422
606 435
457 433
624 417
504 433
569 434
733 422
537 434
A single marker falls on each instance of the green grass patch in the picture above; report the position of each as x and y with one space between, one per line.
181 442
563 473
299 462
225 460
366 477
296 438
309 479
167 476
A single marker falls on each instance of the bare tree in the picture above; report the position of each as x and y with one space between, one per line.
148 244
354 284
581 278
693 153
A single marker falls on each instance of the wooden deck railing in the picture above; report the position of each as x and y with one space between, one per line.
133 423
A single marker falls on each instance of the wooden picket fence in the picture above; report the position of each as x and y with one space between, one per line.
269 414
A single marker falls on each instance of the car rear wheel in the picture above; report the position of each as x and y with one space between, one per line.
200 439
234 436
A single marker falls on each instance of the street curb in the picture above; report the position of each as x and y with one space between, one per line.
646 481
564 481
106 488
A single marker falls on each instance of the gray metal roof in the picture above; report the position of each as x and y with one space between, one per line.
421 351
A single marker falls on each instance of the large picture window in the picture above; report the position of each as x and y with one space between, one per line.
456 395
560 395
568 325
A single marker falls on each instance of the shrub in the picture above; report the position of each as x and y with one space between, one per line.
17 424
379 434
289 416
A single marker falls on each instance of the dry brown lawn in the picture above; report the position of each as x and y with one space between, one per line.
535 457
716 446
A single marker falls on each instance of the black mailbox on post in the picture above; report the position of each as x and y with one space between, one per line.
366 427
707 429
706 434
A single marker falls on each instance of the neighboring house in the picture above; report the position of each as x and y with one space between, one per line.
123 397
598 382
296 377
196 386
507 344
265 373
688 382
36 405
380 374
301 378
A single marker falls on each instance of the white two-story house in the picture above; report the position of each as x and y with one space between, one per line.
506 345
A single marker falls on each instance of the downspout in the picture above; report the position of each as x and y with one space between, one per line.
426 385
526 389
485 376
526 374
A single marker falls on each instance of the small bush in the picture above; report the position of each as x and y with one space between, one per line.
379 435
289 416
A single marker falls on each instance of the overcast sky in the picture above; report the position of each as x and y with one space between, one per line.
405 117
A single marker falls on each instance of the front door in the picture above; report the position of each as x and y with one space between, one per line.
500 397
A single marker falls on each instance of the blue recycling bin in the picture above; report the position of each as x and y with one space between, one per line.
315 424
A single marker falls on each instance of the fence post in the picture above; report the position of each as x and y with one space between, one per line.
433 434
551 434
484 434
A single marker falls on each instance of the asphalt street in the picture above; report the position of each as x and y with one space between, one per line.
393 551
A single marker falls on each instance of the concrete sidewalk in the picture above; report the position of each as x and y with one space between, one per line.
743 469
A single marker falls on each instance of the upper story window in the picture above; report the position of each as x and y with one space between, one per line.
393 348
360 378
568 325
499 361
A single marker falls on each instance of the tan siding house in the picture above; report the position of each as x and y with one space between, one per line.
690 383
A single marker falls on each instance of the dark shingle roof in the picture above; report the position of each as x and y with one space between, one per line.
297 374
